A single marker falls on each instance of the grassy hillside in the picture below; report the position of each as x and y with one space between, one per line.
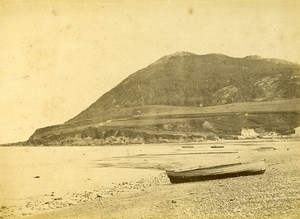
170 129
190 96
164 111
185 79
224 121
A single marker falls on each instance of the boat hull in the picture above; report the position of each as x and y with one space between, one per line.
217 172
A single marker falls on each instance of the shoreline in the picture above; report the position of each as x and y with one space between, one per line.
277 139
280 184
270 195
52 201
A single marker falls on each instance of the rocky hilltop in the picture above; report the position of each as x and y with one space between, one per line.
180 92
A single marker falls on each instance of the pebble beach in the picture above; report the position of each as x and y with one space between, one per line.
142 189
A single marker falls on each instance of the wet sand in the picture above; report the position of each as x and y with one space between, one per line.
274 194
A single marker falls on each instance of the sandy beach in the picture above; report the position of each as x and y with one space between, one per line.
130 182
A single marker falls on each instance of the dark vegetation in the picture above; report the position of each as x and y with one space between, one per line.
169 130
186 79
188 97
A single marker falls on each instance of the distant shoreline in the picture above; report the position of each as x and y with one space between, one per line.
285 138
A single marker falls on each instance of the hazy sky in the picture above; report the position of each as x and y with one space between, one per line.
58 57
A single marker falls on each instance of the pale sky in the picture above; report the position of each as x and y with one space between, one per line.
58 57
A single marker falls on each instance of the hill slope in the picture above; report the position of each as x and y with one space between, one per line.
186 79
188 96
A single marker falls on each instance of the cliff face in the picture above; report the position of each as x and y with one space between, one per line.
186 79
181 92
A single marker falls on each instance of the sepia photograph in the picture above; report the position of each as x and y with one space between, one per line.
140 109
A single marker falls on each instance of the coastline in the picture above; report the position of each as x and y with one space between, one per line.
271 195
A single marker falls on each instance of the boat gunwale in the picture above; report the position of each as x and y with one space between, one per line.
214 167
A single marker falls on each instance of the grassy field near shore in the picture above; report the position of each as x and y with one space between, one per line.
137 187
269 114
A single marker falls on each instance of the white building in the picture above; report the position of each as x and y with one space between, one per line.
297 132
248 134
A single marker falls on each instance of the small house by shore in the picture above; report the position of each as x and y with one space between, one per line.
248 134
297 132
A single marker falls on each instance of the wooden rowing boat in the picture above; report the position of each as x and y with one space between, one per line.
216 172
